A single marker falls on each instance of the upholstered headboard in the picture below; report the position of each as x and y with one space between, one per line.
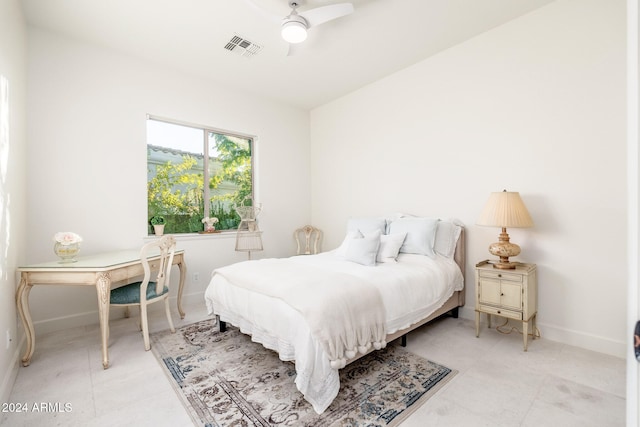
459 255
460 258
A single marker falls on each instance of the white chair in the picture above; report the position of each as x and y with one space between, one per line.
149 291
311 236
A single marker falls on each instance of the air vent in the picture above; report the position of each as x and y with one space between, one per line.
242 46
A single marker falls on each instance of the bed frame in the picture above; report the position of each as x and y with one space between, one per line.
449 307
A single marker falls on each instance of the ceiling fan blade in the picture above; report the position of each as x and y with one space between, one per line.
270 16
320 15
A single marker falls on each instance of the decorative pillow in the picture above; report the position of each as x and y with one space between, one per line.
390 247
342 249
447 234
365 249
421 234
366 225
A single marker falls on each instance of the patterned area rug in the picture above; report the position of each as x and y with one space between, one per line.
225 379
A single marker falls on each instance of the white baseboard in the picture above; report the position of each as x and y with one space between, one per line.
91 317
568 336
65 322
583 340
11 373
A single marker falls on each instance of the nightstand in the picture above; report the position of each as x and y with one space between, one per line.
507 293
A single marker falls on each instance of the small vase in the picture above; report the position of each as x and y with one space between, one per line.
158 229
68 253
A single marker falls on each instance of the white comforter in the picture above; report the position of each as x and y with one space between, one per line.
411 290
345 315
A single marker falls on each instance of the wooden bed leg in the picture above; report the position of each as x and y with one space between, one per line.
454 313
404 340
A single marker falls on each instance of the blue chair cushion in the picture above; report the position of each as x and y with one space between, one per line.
130 294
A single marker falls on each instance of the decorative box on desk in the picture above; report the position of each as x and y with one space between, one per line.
508 293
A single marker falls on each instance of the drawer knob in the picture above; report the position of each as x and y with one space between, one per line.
499 275
498 311
501 294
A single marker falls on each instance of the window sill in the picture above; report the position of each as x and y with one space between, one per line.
182 237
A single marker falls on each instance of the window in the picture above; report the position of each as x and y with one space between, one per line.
181 158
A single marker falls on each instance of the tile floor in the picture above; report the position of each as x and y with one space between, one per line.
497 383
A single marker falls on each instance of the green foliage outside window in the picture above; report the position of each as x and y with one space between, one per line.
176 189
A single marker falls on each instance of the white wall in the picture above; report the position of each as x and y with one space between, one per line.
13 206
536 106
87 161
633 241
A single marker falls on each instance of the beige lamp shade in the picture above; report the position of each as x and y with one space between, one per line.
249 241
505 209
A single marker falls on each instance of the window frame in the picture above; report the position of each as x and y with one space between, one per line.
206 131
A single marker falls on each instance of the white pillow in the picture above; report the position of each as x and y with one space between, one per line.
365 249
366 225
390 247
447 235
421 234
342 249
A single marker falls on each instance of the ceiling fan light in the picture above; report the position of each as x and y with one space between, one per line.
294 31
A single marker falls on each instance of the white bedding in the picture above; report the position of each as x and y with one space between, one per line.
411 290
346 314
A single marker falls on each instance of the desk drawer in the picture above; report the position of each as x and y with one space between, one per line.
127 273
500 312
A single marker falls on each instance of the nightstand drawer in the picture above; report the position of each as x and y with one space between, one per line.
500 312
499 275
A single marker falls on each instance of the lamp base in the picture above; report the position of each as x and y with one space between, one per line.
504 249
504 265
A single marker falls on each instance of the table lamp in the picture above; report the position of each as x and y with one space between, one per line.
249 241
505 209
249 236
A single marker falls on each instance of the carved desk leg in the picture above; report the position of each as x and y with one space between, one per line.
22 301
183 275
103 288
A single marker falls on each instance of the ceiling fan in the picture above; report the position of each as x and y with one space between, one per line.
296 24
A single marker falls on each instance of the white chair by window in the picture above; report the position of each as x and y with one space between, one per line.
310 236
149 291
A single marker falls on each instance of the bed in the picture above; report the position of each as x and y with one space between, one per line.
324 311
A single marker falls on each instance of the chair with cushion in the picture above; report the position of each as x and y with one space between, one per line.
310 236
152 288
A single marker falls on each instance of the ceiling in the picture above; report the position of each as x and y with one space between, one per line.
340 56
